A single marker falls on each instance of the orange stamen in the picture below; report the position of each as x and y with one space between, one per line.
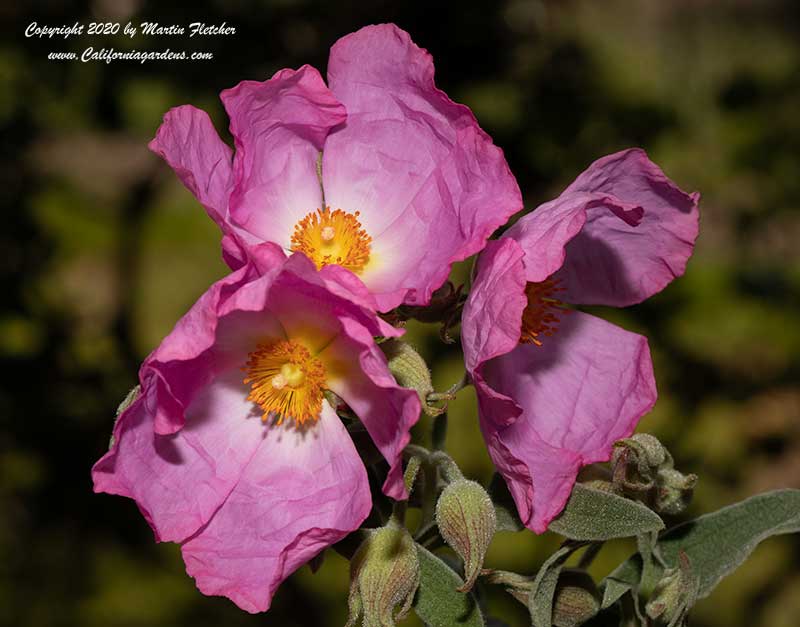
286 381
328 237
541 315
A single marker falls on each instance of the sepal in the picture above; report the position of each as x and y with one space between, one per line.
384 574
467 522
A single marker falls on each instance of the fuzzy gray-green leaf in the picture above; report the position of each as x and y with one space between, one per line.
504 507
540 601
716 543
438 603
596 515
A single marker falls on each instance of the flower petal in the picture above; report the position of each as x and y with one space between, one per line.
201 345
387 410
191 146
613 263
183 363
490 325
178 481
583 389
279 127
544 233
329 311
415 164
327 290
189 143
300 493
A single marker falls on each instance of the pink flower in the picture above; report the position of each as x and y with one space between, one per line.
557 387
379 171
232 449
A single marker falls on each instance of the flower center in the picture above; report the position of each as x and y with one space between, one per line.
286 381
541 315
328 237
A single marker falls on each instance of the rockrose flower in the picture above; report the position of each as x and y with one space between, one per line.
232 448
557 387
378 172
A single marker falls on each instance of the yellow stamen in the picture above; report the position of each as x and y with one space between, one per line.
541 316
328 237
286 381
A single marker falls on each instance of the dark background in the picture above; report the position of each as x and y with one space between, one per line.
101 250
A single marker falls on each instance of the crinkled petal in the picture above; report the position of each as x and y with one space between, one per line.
611 262
184 363
199 347
359 374
189 143
300 493
179 480
490 324
329 287
279 127
329 311
584 388
544 233
415 164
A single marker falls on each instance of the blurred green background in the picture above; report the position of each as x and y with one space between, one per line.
101 250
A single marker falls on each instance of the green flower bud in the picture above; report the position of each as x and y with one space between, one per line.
675 491
636 459
674 595
644 470
467 521
410 371
384 573
576 599
518 586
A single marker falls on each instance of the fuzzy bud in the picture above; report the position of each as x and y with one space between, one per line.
384 574
518 586
643 469
636 459
674 595
410 371
467 521
576 599
674 492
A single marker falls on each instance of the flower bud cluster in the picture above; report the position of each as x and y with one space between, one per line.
643 469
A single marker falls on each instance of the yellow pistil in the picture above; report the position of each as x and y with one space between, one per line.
286 381
541 315
328 237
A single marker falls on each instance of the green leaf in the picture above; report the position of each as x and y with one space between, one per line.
504 506
540 601
616 585
595 515
438 603
716 543
647 543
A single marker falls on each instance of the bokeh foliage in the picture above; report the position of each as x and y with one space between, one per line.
102 250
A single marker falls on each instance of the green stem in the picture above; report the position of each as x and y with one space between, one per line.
589 554
439 432
451 392
448 466
426 532
430 475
